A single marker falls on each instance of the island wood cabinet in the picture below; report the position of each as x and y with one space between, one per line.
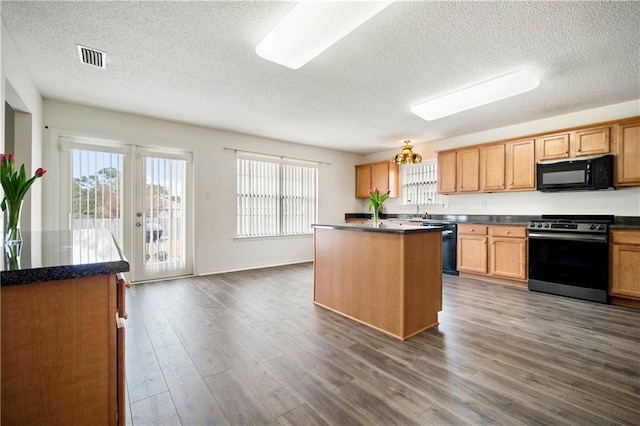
578 143
627 150
63 352
447 166
625 264
496 252
382 175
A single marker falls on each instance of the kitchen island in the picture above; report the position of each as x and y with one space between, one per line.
62 310
387 277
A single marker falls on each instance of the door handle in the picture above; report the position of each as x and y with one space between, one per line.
138 224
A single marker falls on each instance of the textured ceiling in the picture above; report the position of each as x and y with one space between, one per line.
195 62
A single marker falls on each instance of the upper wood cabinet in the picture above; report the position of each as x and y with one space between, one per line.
468 170
511 165
552 147
627 150
382 175
521 164
595 141
447 172
580 143
492 165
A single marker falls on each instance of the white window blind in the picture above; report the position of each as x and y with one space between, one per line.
420 184
275 197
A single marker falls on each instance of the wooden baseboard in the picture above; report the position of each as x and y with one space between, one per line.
622 301
492 279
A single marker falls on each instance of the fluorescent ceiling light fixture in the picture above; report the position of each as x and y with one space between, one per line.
313 26
484 93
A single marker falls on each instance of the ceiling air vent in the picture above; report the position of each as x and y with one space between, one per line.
92 57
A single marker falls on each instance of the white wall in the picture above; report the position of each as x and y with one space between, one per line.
214 172
622 202
20 91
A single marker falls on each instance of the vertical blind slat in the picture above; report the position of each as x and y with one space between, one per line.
420 184
274 198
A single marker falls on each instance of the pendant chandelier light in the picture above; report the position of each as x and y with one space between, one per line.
407 156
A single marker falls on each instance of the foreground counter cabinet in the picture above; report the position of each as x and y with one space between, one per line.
389 278
63 306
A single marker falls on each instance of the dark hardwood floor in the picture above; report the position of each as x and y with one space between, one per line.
251 348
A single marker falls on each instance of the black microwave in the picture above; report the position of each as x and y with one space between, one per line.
576 175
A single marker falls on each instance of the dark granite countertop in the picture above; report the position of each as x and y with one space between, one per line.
626 222
621 222
458 218
384 228
61 255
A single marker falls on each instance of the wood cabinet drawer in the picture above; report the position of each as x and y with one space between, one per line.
625 237
472 229
508 231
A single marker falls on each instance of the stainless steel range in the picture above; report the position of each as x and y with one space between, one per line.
569 256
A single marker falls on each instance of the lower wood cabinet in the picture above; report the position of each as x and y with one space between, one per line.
625 264
508 252
63 352
493 253
472 248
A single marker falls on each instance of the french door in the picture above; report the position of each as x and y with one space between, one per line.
140 195
162 243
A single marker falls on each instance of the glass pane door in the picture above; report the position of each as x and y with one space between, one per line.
97 191
163 246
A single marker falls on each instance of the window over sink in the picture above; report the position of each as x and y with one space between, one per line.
420 184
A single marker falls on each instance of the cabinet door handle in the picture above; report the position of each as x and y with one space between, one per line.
493 243
119 321
471 230
566 152
484 241
510 183
578 150
507 232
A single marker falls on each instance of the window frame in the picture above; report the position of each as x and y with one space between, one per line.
423 177
285 188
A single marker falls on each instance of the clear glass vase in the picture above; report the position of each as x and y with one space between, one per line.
12 234
376 217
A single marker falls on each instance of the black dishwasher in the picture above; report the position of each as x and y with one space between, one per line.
449 244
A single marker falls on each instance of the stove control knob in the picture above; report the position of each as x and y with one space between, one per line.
592 227
546 225
600 227
539 225
532 225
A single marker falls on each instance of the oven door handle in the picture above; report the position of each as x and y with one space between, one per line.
569 237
